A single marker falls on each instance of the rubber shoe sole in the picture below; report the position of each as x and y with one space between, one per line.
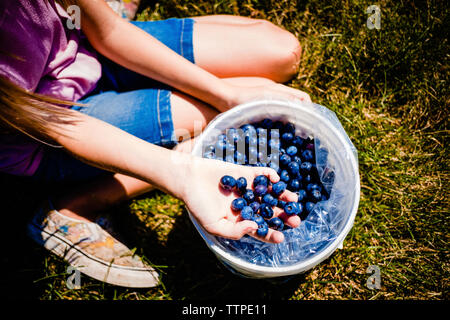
132 277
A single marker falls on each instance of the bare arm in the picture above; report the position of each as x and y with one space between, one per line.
104 146
133 48
191 179
136 50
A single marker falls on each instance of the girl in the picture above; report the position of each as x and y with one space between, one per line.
98 109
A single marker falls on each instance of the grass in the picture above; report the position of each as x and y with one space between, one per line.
388 87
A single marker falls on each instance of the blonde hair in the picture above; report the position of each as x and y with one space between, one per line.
28 113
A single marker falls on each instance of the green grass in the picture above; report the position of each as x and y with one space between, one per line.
388 87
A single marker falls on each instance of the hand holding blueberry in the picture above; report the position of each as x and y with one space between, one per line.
209 199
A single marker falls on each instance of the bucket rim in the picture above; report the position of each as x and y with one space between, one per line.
301 266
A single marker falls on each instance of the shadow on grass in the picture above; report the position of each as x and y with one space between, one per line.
189 270
192 271
22 261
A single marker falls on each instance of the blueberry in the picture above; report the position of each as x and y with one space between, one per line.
275 167
307 179
209 148
249 196
315 195
221 145
232 134
260 190
261 180
265 211
227 182
313 186
258 219
297 159
247 213
291 151
299 208
307 155
281 204
255 206
248 128
277 125
262 142
266 123
287 137
309 206
238 204
305 167
274 144
253 152
297 141
262 157
263 229
260 164
309 140
276 223
275 157
285 159
209 155
274 134
292 208
241 184
301 194
278 188
252 155
284 176
261 133
270 200
229 158
325 195
222 137
293 168
289 127
229 148
294 185
310 146
251 141
239 158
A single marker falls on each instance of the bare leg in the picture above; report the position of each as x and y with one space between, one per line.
232 46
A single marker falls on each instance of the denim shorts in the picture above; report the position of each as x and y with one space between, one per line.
127 100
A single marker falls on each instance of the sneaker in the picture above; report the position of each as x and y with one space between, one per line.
90 249
131 7
125 8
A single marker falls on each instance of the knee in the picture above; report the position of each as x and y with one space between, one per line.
284 52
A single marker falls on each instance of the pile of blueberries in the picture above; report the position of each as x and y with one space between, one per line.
257 204
271 144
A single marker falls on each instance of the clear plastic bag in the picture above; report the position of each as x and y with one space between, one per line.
327 224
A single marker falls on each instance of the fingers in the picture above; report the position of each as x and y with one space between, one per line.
269 173
289 196
236 230
295 93
272 236
292 221
232 230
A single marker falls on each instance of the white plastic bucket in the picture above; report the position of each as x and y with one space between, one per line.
309 119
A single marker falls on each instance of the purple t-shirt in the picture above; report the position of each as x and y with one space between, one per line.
53 60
